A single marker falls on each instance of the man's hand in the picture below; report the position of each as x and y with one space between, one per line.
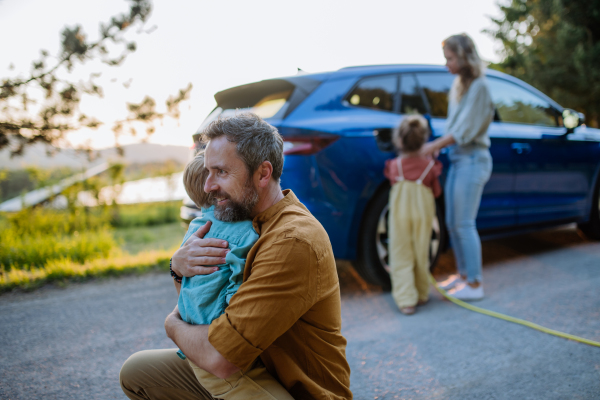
193 341
193 257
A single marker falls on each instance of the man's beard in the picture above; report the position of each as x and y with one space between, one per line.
234 211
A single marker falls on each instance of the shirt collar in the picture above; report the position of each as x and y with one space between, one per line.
289 198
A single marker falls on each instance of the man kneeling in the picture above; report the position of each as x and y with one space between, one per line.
285 317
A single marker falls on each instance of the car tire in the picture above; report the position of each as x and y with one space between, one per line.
371 262
591 229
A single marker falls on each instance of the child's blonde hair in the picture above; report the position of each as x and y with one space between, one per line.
194 177
412 134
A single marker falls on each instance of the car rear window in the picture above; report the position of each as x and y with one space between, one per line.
273 98
376 93
265 98
411 100
436 86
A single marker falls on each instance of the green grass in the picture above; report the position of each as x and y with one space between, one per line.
41 246
133 240
141 249
16 182
65 270
146 214
32 238
22 252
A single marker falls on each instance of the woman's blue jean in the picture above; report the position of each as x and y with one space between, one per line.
470 169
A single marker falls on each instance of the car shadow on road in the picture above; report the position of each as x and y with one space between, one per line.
498 251
351 282
494 252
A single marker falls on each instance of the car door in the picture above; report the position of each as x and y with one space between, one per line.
553 170
498 205
371 108
376 105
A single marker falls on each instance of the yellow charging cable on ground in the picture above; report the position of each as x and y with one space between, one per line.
511 319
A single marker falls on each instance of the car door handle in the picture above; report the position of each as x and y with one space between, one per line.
521 148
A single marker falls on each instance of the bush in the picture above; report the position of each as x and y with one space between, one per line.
54 222
32 238
146 214
39 245
65 269
15 182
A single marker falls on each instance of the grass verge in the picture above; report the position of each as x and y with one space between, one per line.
42 246
137 239
63 270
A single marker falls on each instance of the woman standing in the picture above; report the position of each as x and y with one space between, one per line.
470 112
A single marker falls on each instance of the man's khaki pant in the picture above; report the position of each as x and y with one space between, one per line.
161 374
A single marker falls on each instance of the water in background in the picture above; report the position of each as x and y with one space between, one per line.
163 188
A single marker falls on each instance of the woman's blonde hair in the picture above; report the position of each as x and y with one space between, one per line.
194 177
471 66
411 134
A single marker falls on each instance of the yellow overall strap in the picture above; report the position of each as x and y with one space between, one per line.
400 173
424 174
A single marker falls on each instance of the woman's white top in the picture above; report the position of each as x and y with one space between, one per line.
468 120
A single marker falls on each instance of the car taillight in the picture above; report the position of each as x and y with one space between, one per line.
306 145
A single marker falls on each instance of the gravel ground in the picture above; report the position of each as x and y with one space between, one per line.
69 343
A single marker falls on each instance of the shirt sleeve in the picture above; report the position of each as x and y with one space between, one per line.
391 170
475 116
282 286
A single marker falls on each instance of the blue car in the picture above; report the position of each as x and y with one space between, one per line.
337 129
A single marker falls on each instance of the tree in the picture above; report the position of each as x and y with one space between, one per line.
44 106
555 46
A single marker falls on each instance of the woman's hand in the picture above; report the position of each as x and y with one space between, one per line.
197 255
430 149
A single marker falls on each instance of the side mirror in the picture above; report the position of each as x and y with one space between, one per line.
572 119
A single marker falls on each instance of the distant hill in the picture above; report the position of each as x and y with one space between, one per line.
140 153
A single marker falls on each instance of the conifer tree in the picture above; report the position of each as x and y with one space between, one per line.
554 45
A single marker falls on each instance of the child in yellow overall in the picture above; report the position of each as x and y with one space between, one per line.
415 185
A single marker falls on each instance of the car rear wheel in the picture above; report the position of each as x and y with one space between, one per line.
372 261
592 228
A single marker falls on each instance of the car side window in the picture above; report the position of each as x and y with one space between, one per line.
518 105
376 93
411 101
436 86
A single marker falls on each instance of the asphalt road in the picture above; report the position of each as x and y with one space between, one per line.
69 343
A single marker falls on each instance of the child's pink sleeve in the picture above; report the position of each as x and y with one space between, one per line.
389 171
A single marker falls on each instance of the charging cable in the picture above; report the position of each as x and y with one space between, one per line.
511 319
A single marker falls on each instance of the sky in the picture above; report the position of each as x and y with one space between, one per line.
219 44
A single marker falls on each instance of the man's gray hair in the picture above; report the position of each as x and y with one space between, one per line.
256 140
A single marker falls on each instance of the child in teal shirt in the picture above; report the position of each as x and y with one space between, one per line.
203 298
